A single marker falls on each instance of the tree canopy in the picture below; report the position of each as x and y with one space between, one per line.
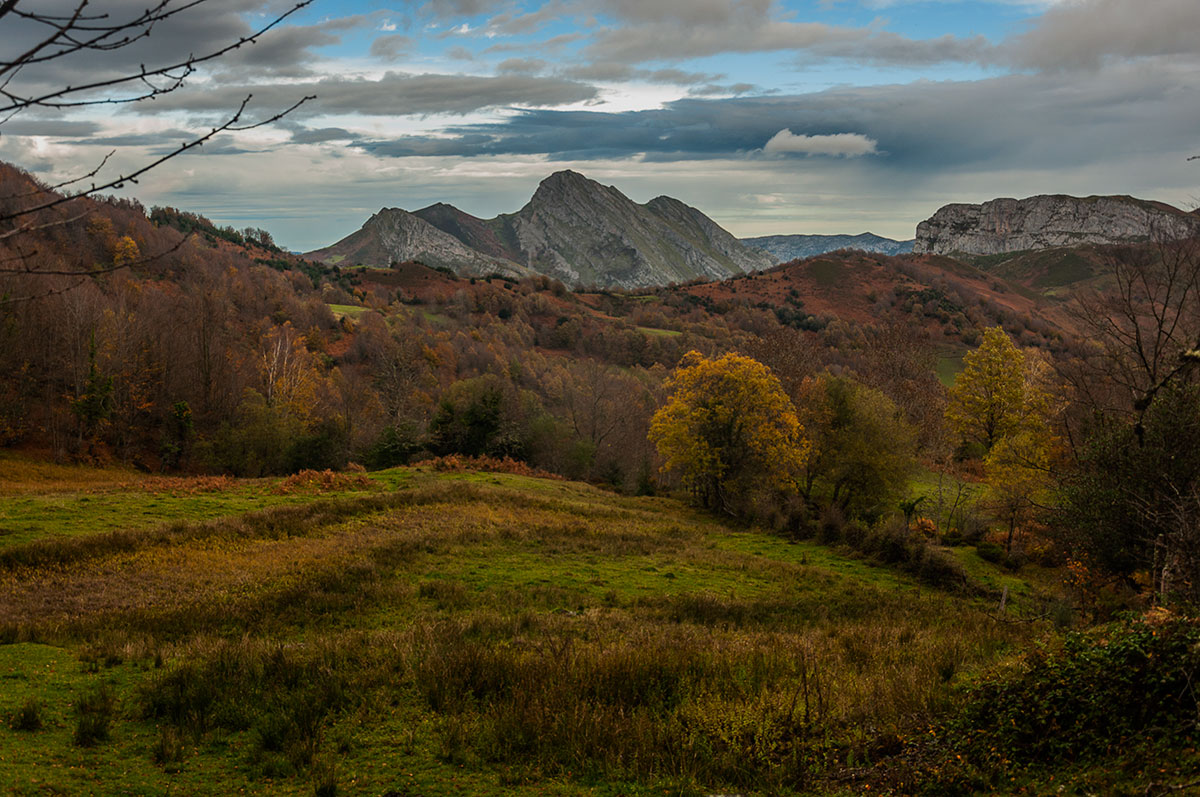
863 449
729 430
999 393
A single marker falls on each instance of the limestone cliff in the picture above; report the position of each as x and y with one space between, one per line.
1041 222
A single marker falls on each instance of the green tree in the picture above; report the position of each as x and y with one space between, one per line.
729 430
863 449
480 416
1133 499
92 403
1018 473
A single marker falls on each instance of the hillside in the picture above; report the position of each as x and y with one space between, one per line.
573 229
944 296
794 247
510 633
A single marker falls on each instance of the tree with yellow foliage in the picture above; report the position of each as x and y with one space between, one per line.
999 392
729 430
1002 400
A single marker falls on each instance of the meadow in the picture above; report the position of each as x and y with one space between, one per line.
425 632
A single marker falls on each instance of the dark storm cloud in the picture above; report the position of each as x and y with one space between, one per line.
304 135
394 94
158 138
287 51
61 128
1022 121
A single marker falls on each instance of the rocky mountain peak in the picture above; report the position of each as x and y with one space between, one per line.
573 228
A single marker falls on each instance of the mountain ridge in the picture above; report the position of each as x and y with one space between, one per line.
785 248
1004 225
573 229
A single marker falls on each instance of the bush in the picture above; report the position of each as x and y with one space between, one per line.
832 524
891 542
990 552
28 717
168 748
1101 692
95 711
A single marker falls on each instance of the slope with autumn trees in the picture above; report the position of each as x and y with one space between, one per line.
801 405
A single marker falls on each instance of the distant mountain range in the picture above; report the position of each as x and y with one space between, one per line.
785 248
587 234
573 229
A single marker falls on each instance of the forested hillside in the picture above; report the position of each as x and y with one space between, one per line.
817 504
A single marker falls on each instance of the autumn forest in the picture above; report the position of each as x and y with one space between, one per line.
826 527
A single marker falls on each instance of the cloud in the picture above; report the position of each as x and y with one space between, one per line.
306 135
1040 121
664 41
843 145
521 66
394 94
392 46
1082 35
615 72
48 127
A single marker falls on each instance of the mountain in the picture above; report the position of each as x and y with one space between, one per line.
573 229
1040 222
785 248
476 233
395 235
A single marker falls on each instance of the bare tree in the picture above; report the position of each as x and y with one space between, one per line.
83 28
1143 325
1131 499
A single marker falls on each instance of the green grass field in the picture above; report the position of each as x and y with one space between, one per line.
347 310
449 633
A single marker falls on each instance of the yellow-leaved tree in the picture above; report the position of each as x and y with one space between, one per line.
729 431
1004 401
996 395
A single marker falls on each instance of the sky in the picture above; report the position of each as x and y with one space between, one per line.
771 116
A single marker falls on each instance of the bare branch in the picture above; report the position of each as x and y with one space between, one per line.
54 99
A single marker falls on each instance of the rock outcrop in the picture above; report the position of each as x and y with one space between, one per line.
785 248
395 235
1041 222
573 229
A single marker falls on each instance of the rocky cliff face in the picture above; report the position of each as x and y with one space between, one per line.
585 233
394 235
1041 222
785 248
573 229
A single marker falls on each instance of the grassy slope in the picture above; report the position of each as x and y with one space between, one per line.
453 585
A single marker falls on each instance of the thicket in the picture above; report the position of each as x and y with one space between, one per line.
1100 693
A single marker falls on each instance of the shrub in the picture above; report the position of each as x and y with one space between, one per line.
832 523
94 711
168 748
28 717
990 552
1101 692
